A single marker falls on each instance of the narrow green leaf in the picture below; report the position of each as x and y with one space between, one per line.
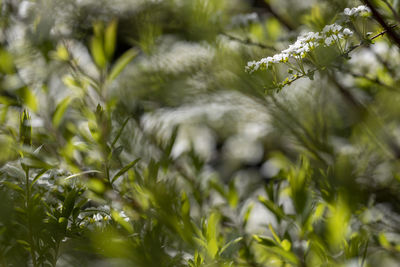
233 196
286 256
60 111
68 204
13 186
23 242
38 176
97 49
110 36
275 235
212 234
81 173
119 132
171 142
124 170
120 220
230 243
121 63
247 214
272 207
265 240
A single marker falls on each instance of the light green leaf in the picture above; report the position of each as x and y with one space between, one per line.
6 62
29 98
121 221
233 196
121 63
212 232
230 243
274 234
60 111
97 49
247 214
272 207
286 245
13 186
37 177
124 170
110 35
119 132
81 173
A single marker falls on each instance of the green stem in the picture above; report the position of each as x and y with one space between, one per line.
365 254
28 212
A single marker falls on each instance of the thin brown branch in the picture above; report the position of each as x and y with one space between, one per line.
379 18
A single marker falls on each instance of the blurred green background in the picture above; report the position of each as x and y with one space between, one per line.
131 135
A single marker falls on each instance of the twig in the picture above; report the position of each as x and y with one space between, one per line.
379 18
351 49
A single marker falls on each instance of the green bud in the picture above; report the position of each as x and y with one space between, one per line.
25 129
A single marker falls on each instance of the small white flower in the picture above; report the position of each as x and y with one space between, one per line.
123 215
347 32
347 11
357 11
329 40
98 217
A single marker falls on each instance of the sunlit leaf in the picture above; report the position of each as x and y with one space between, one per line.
110 35
124 170
60 111
121 63
97 49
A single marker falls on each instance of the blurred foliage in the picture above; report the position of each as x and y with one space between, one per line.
131 135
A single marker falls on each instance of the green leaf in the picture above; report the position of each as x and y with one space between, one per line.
6 62
60 111
97 50
171 142
121 63
38 176
233 196
272 207
24 243
247 214
81 173
265 240
110 35
185 205
120 220
212 231
286 245
119 132
274 234
62 52
28 98
124 170
230 243
13 186
285 255
69 203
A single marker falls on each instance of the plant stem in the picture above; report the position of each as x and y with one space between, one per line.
28 212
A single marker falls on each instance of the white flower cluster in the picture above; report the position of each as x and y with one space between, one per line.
304 44
98 217
357 11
